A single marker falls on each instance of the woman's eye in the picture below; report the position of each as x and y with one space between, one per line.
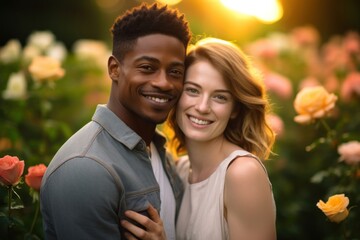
191 90
221 98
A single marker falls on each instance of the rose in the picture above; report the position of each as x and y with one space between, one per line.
44 68
312 103
10 52
276 123
11 169
92 50
335 208
34 176
41 39
350 152
16 86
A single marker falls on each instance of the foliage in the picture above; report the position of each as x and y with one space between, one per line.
38 114
307 168
41 106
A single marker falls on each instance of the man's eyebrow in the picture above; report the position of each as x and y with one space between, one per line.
155 60
147 58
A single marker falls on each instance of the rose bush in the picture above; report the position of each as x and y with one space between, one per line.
335 208
321 118
46 94
11 170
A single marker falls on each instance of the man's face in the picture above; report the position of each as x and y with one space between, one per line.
149 80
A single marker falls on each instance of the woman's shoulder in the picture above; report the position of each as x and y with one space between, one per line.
247 169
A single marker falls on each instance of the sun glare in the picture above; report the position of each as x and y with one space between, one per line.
268 11
170 2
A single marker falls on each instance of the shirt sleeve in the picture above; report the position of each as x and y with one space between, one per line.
80 200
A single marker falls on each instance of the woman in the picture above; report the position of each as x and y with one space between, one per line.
220 121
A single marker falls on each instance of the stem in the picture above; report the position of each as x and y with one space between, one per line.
35 217
10 190
9 201
326 126
330 133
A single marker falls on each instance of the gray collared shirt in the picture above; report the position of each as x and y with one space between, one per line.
100 172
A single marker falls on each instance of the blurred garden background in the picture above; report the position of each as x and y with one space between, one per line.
53 57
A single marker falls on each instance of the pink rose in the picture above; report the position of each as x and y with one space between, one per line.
34 176
276 123
351 86
350 152
11 169
278 84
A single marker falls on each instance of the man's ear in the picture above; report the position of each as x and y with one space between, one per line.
113 68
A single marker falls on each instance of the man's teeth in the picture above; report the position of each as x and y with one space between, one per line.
199 121
159 100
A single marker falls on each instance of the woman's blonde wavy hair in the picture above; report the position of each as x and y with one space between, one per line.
249 129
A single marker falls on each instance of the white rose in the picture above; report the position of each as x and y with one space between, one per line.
92 50
11 51
41 39
57 51
16 86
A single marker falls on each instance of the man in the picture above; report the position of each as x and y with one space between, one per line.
106 167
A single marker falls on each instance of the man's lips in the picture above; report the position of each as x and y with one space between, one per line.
158 97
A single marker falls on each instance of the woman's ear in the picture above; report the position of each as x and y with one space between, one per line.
235 112
113 68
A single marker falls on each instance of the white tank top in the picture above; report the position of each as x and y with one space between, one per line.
168 204
201 215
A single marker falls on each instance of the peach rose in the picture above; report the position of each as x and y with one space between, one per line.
44 68
350 152
335 208
11 169
34 176
312 103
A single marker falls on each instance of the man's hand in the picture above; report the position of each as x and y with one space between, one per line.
154 228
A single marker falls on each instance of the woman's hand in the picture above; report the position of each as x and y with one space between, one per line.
153 226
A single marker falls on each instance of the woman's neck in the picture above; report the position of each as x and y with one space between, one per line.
205 157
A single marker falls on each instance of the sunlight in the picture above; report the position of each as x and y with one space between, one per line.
170 2
268 11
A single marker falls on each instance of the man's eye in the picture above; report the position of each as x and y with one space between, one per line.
146 68
176 73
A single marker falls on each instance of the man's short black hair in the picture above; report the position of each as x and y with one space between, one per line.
145 20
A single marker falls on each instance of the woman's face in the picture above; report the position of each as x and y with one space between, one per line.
206 104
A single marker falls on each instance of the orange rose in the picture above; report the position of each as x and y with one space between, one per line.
11 169
335 208
34 176
313 102
44 68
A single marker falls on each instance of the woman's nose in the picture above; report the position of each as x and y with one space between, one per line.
202 105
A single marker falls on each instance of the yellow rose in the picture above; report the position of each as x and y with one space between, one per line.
44 68
335 208
313 102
